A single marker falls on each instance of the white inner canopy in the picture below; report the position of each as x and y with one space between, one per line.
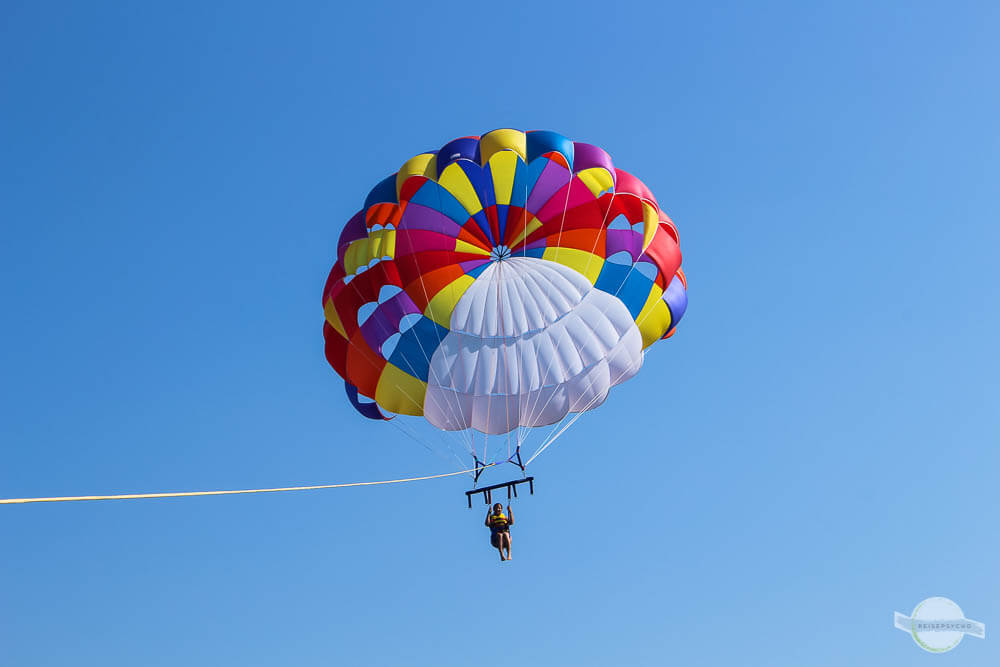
530 341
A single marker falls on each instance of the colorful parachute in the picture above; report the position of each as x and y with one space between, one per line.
502 282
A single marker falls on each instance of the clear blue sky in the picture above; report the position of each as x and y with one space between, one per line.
814 449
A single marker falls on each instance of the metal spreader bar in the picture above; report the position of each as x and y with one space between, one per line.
511 486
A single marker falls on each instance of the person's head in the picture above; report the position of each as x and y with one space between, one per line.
497 508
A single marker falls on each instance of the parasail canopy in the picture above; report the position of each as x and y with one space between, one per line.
501 283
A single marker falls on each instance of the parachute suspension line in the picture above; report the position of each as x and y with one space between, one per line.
414 401
489 403
394 421
486 439
524 224
604 222
508 380
466 433
518 369
569 188
412 434
521 429
186 494
593 250
503 347
552 438
554 428
597 237
413 372
530 411
408 363
531 414
552 360
454 411
528 417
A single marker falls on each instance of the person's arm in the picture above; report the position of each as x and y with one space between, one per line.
488 519
510 516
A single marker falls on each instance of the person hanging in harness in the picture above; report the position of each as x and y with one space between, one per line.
499 525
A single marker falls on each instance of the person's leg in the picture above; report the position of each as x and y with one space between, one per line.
506 543
497 540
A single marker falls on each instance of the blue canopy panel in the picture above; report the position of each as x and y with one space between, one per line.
367 409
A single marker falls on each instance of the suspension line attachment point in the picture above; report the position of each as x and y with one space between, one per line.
515 458
479 468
